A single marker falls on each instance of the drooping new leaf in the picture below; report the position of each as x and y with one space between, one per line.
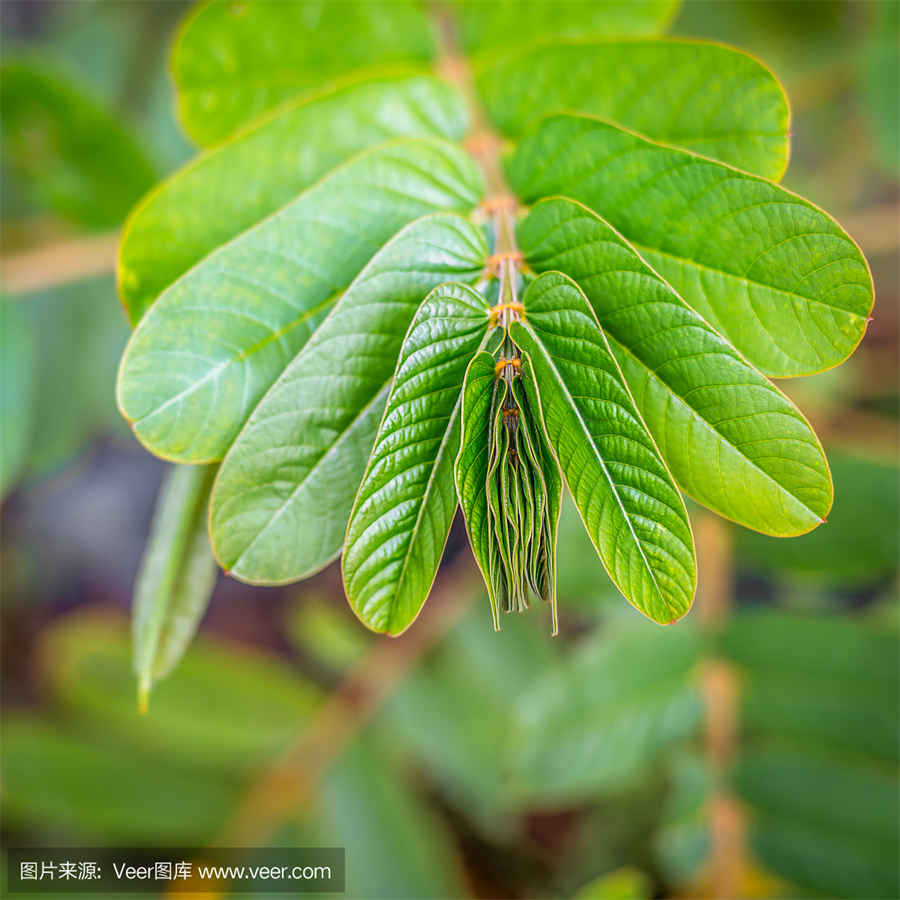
233 61
176 576
621 487
231 188
732 440
213 343
771 272
401 516
285 491
706 97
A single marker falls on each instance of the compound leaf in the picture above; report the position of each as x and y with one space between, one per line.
732 440
211 345
229 189
233 61
768 270
714 99
176 577
624 493
285 491
402 513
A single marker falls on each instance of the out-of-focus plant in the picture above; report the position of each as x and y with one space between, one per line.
309 293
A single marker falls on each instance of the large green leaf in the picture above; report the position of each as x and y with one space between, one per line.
176 576
285 491
495 25
212 344
470 471
770 271
231 188
73 154
401 516
732 440
706 97
630 506
232 61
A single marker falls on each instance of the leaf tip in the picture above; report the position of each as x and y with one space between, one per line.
144 696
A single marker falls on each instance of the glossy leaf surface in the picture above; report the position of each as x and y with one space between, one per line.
231 188
624 493
732 440
212 344
176 576
285 491
706 97
233 61
768 270
401 516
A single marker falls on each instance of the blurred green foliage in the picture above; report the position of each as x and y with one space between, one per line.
502 764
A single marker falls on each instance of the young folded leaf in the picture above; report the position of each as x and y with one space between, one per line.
509 489
630 506
405 504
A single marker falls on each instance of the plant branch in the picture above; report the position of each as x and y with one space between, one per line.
60 263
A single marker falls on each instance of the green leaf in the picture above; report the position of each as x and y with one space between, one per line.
702 96
771 272
243 707
64 783
623 884
284 493
470 471
624 493
176 576
402 514
214 342
605 716
18 359
229 189
495 25
233 61
73 154
732 440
